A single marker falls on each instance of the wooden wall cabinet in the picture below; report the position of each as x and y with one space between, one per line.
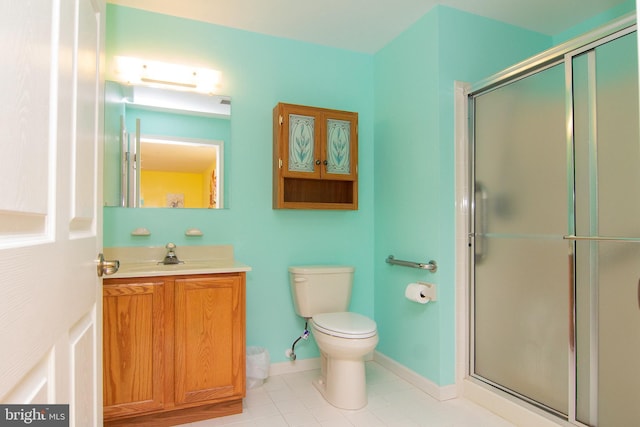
315 158
174 348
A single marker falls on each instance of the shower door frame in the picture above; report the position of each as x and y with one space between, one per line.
466 193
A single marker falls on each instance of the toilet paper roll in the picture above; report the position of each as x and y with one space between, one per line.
417 292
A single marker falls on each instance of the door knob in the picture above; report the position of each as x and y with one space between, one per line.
106 267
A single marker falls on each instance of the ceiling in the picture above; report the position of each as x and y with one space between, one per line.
367 25
177 156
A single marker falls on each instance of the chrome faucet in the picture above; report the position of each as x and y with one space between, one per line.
171 257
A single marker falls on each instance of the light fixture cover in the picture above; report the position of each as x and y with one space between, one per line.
137 71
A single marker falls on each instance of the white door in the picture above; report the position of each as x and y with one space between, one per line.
50 198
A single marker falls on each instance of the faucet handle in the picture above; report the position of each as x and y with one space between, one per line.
170 257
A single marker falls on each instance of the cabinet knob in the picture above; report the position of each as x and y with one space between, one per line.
325 163
318 162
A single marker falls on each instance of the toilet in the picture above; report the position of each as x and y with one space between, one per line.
321 295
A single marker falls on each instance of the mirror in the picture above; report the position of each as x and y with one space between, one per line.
164 148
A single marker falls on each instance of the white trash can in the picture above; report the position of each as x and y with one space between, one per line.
257 366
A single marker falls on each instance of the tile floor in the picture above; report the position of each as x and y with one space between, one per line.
291 400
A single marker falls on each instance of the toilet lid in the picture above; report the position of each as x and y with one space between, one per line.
345 325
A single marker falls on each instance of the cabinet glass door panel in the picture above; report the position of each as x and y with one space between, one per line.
301 143
338 147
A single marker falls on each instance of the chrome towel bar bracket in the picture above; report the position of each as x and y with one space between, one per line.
431 265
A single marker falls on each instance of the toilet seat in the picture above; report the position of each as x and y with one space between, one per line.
345 325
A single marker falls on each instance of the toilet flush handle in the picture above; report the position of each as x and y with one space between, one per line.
300 279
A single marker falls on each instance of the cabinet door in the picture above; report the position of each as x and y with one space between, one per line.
301 151
317 143
339 145
209 338
133 334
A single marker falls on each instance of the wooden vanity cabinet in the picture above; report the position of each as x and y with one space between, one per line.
315 158
174 348
134 330
209 339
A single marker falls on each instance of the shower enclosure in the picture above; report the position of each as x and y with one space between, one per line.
555 231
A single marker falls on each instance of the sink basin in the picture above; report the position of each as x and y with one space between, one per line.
142 262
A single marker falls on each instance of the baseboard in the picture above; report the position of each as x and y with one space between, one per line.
422 383
429 387
301 365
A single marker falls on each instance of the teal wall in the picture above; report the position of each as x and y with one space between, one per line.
258 72
414 172
161 123
404 97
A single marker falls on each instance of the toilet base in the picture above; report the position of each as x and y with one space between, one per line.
345 385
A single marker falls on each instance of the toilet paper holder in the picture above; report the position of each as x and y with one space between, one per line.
430 266
421 292
430 291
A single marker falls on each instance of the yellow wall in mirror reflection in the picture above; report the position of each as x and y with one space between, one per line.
174 189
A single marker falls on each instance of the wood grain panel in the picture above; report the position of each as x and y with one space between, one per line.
133 334
180 416
174 348
209 338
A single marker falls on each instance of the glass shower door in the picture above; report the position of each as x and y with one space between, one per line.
607 226
521 281
555 235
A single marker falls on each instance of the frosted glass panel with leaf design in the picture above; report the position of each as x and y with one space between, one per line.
301 143
338 146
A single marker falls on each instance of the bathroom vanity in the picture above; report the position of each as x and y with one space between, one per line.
174 338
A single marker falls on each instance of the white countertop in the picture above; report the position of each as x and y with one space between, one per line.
146 261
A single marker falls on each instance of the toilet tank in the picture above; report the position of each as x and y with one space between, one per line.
320 289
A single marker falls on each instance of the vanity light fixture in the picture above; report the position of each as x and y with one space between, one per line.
136 71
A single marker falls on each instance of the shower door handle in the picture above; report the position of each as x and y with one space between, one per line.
638 294
481 198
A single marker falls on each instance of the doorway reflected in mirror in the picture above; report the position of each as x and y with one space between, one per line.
160 142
